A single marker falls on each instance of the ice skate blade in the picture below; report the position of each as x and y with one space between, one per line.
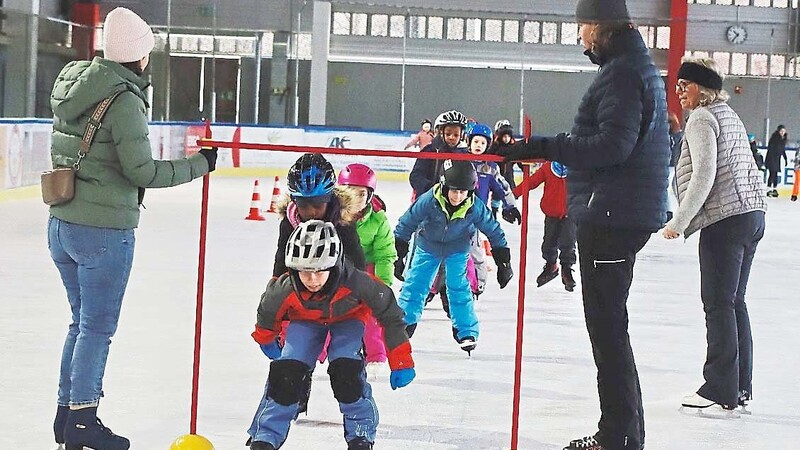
713 411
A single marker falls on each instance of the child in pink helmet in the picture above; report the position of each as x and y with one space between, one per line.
377 240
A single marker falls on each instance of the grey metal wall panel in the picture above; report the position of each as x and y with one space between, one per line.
708 24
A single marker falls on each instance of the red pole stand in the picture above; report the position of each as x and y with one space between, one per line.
198 320
523 253
677 47
86 14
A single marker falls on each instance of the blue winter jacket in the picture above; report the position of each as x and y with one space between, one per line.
618 151
490 179
442 234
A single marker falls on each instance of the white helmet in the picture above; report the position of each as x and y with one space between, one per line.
451 117
313 246
501 124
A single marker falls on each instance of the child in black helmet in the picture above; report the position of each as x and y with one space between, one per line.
446 218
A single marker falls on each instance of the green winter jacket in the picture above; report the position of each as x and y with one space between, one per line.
377 240
119 162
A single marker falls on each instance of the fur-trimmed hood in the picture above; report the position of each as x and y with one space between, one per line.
348 211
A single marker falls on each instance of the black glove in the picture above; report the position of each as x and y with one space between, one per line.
521 150
399 268
502 257
512 214
211 156
402 248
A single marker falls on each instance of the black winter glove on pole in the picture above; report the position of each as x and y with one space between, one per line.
399 263
533 149
502 257
211 156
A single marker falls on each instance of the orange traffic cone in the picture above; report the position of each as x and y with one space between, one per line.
255 208
276 196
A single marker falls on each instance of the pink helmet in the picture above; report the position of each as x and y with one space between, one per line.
358 175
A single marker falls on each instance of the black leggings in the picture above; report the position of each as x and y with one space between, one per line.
772 179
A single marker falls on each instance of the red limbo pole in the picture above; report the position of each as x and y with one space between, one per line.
198 320
523 257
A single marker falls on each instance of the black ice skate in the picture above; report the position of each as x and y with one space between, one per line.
584 443
468 344
567 279
794 198
84 429
258 445
702 406
445 302
359 444
549 272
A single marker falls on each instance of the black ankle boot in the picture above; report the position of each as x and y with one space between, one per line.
359 444
61 421
84 429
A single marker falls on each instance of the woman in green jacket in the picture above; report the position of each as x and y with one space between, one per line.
91 238
377 240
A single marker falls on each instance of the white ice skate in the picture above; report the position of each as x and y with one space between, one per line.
696 404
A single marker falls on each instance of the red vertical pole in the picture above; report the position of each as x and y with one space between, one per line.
677 48
88 15
198 320
523 253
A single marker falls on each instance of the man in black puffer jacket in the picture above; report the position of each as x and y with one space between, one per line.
618 157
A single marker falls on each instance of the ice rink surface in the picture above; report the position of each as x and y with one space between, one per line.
454 403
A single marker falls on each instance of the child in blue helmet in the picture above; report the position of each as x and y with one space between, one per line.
313 195
446 218
490 179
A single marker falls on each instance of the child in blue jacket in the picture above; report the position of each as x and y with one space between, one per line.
446 218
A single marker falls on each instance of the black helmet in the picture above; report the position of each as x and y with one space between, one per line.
459 175
311 176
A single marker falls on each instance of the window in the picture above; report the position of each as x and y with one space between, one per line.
511 31
379 25
494 29
417 27
741 2
662 37
435 27
700 54
549 32
723 60
777 65
304 45
455 29
724 2
530 33
473 29
359 24
739 63
703 2
207 44
780 3
266 45
397 26
569 33
341 23
758 64
762 3
648 35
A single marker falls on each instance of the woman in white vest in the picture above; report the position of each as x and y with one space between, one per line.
721 194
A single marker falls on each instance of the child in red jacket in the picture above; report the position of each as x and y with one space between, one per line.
559 229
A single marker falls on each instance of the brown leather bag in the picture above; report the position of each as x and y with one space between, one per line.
58 185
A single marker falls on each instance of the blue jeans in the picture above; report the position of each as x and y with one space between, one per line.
304 341
94 264
419 279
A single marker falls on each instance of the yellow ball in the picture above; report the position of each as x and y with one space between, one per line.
191 442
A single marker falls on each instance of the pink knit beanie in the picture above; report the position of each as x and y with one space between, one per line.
126 37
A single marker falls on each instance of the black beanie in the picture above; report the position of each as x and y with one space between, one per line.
600 11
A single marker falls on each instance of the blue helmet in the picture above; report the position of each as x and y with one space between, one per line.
480 129
311 176
558 169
